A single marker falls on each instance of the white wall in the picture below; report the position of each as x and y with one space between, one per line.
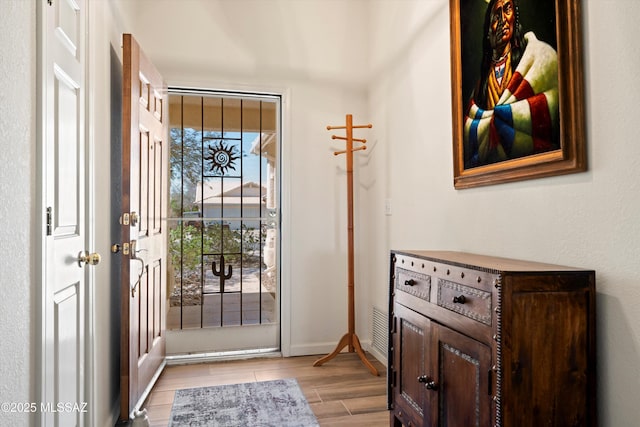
588 220
17 189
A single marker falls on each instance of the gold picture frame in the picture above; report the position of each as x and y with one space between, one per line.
553 139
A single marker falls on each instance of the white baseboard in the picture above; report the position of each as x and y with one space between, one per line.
382 358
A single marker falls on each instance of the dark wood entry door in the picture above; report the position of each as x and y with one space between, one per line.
144 201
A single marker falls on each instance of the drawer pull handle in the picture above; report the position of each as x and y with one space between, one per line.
410 282
429 384
459 299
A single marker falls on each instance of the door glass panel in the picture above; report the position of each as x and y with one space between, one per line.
223 220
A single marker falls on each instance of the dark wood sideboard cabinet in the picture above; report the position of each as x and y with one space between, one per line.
485 341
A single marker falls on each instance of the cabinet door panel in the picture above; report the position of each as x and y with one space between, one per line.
463 375
411 354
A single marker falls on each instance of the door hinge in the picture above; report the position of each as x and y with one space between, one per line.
49 221
124 219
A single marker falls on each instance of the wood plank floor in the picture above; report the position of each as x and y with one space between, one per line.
342 392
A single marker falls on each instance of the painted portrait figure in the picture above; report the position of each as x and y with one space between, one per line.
513 109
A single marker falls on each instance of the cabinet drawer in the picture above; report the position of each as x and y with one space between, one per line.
411 282
465 300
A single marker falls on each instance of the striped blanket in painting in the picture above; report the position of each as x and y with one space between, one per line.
525 119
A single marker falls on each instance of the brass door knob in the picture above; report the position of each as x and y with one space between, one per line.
88 258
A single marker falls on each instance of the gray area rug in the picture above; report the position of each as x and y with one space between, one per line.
278 403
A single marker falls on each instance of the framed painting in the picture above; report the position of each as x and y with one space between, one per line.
517 90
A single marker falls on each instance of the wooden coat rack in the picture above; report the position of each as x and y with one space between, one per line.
349 339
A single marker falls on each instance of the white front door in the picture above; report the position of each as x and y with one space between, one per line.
65 275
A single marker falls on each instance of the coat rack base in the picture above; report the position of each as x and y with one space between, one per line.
351 340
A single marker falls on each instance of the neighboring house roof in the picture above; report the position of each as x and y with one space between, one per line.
250 193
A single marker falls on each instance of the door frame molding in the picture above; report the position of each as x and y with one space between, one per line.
41 220
41 273
285 222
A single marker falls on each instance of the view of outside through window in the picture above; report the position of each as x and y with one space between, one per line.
222 243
